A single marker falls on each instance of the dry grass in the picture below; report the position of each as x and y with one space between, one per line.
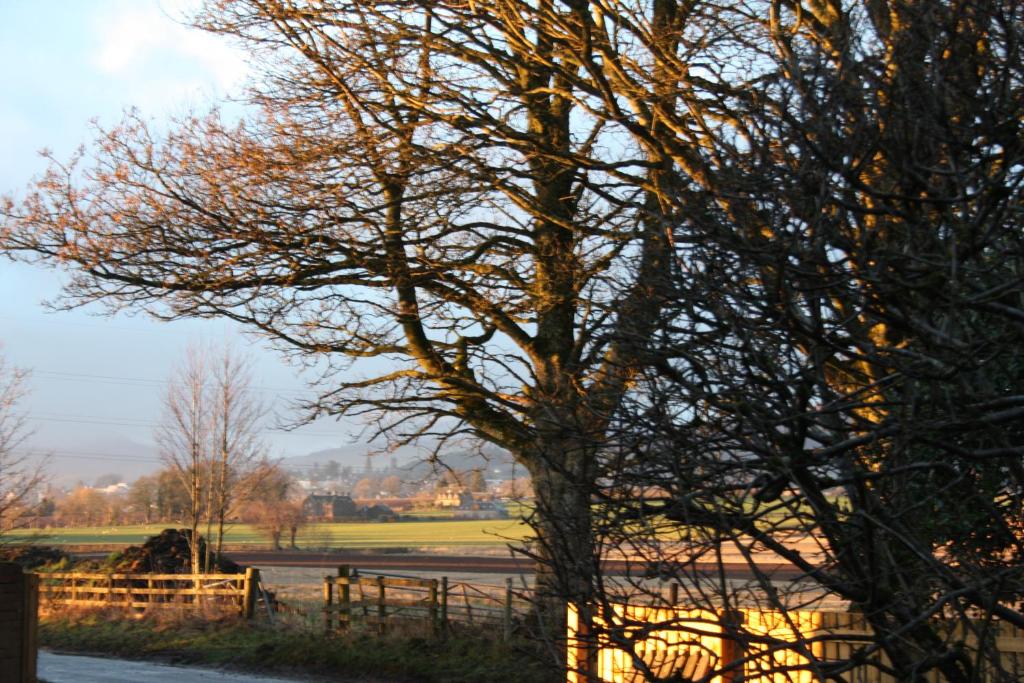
294 643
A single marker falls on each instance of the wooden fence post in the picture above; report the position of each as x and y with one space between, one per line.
507 620
344 598
444 603
432 605
328 602
382 612
249 592
18 604
733 650
30 649
583 655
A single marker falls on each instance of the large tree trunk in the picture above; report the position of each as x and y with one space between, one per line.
567 558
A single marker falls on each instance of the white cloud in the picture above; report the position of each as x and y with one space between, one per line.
142 41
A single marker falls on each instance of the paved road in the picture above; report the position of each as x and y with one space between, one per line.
55 668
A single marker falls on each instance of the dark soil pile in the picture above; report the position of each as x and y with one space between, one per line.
168 553
33 556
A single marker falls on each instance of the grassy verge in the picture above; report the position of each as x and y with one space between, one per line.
285 648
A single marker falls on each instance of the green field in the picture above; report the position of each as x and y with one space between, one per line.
344 535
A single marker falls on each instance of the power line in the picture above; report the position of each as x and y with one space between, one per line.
140 422
115 419
154 459
136 381
108 458
102 326
88 456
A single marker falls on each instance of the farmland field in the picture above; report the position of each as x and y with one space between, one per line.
432 534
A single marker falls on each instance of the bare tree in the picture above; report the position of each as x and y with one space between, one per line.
275 506
835 388
239 451
210 438
86 506
184 438
367 487
391 486
21 480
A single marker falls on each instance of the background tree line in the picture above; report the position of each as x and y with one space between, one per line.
160 498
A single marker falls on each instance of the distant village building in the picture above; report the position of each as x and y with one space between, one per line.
332 507
329 507
451 498
465 506
378 511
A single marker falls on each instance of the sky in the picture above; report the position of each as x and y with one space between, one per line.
96 382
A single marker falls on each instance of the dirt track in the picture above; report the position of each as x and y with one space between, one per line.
455 563
459 563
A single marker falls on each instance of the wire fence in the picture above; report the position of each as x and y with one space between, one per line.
380 599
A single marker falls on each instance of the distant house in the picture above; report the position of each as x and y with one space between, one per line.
329 507
450 498
378 512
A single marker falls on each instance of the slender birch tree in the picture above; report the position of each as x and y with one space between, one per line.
210 437
239 452
184 438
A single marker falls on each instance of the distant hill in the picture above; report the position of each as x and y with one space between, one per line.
92 459
98 458
497 464
353 456
410 461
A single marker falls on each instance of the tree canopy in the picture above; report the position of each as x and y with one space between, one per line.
838 385
417 183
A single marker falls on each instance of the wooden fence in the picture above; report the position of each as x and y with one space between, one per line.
379 600
773 647
152 591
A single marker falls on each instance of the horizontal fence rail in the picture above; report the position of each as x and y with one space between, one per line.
764 646
151 591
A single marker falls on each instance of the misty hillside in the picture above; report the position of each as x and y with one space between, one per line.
410 462
123 459
88 460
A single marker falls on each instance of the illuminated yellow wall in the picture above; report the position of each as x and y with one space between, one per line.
691 640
